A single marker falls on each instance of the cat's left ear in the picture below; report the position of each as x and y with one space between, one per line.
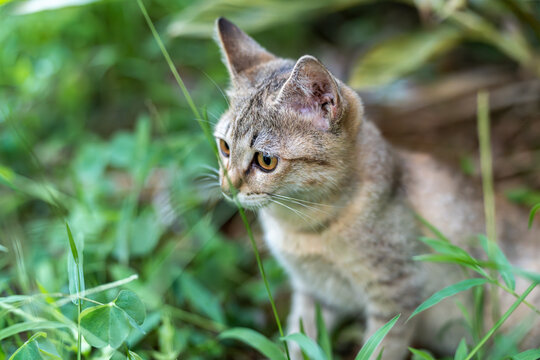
312 91
240 52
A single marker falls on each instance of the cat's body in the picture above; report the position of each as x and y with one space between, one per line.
337 203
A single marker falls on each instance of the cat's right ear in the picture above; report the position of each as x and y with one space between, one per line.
240 52
312 92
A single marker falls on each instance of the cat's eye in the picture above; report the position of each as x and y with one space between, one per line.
266 162
224 148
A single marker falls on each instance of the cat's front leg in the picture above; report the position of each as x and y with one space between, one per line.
396 343
303 306
386 300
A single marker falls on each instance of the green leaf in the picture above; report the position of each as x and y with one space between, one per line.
452 259
374 340
40 190
398 56
74 251
29 350
420 355
461 352
133 356
532 354
432 228
532 214
256 341
198 19
75 268
310 347
302 331
498 257
104 325
201 298
322 333
29 325
478 27
447 248
145 231
132 305
447 292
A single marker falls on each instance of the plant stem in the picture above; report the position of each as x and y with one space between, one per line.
207 132
487 187
515 294
486 166
501 320
79 308
263 274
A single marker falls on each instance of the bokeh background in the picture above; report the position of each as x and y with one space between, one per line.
94 130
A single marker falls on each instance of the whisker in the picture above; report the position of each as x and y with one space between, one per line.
303 201
300 214
302 204
213 115
210 168
208 176
209 184
218 87
206 121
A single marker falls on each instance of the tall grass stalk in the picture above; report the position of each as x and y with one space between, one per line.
486 161
486 164
501 321
207 132
75 254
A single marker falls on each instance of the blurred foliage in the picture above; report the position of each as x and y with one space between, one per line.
93 128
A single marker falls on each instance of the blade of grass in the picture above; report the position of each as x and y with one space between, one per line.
531 215
432 228
421 354
98 289
302 331
461 351
207 132
24 348
501 262
322 333
255 340
308 345
447 292
30 325
486 164
373 342
501 321
79 290
487 186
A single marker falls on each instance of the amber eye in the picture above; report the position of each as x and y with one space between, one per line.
224 147
266 162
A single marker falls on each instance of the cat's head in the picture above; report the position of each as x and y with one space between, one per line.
290 128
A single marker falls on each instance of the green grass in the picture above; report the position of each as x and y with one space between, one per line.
90 119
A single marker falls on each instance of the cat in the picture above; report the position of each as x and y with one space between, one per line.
338 204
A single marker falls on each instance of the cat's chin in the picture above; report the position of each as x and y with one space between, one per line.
250 202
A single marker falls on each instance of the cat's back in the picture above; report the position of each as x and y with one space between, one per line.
454 204
443 196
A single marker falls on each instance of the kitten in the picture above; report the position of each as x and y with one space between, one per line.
337 203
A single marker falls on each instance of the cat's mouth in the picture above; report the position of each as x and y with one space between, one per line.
251 201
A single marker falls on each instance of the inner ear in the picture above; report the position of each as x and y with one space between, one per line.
312 91
322 96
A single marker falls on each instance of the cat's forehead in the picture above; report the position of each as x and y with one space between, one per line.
255 113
